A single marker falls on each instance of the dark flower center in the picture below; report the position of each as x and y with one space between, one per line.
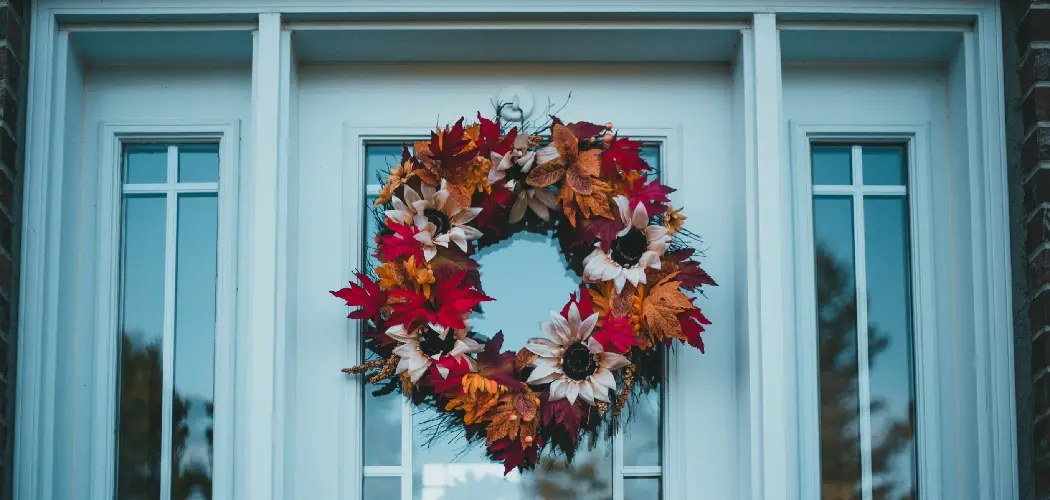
578 362
431 343
628 249
438 219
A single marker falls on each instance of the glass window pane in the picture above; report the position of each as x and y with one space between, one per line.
642 441
837 347
380 159
641 488
883 165
198 163
142 332
832 165
651 156
193 401
444 468
382 427
382 488
890 346
146 164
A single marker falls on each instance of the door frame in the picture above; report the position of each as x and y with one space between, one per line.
774 461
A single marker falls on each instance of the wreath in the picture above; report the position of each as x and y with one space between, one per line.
471 186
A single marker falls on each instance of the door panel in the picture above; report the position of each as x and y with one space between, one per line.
685 108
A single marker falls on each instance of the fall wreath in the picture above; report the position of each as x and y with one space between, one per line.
474 185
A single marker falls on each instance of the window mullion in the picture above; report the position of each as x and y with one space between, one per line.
863 379
406 450
617 465
168 343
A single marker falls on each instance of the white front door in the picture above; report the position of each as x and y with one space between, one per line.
352 120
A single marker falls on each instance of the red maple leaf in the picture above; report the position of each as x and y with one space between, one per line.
690 275
582 130
583 303
513 455
401 244
447 148
498 365
367 296
492 219
616 334
693 322
451 385
561 412
653 195
602 230
489 137
452 298
623 155
409 307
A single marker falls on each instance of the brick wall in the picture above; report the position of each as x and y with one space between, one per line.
1027 56
12 95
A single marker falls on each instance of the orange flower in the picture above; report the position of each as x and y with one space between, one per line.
395 179
674 220
422 275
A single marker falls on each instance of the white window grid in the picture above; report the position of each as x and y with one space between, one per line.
171 189
403 471
858 191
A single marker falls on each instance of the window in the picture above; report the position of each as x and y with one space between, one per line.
167 327
400 462
864 323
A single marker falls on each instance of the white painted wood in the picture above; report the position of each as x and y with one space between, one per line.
860 273
768 274
168 335
258 463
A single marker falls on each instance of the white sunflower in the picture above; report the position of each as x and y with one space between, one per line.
572 361
438 217
637 246
420 348
540 200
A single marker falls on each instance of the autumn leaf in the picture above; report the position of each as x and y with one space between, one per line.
401 244
616 334
407 307
578 182
453 383
517 415
561 412
453 298
660 309
489 140
603 231
498 365
514 455
653 195
545 175
583 302
690 275
580 129
367 296
492 205
623 155
449 148
693 322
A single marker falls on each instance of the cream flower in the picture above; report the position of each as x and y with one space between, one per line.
637 246
439 218
420 348
539 200
572 361
403 210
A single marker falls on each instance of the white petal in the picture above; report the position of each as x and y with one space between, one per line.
603 378
441 201
398 333
429 252
635 275
601 393
594 269
421 222
649 259
655 233
612 270
417 373
640 218
465 215
546 197
558 336
442 240
411 196
462 347
559 324
541 371
547 154
543 349
472 233
594 346
558 389
539 208
624 207
424 238
574 318
614 361
619 281
443 371
572 391
587 392
517 212
457 236
428 191
526 161
587 327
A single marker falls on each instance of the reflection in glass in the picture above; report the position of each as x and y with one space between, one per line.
198 163
641 488
382 488
146 164
193 400
379 159
883 165
642 441
890 345
832 165
142 330
840 453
